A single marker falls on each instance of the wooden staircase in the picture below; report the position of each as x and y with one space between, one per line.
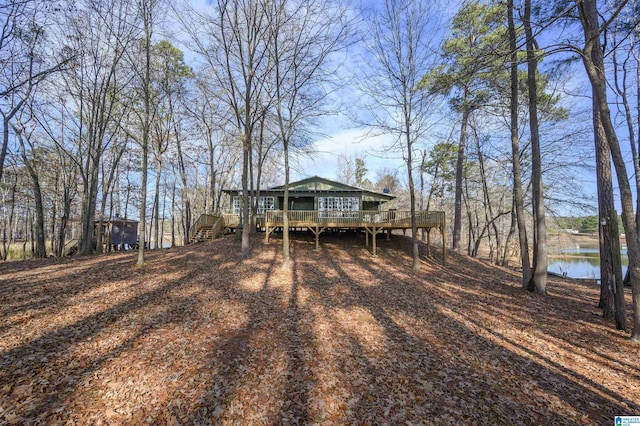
206 228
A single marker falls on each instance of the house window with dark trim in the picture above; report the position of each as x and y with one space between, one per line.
266 203
338 206
237 205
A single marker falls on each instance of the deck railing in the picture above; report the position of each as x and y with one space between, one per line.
231 220
203 220
398 218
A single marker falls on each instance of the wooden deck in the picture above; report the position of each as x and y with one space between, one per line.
208 227
372 222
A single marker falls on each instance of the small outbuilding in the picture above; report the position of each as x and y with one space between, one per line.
123 233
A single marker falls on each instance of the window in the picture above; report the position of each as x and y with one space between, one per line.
338 206
266 203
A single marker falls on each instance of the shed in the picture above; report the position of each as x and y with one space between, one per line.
121 231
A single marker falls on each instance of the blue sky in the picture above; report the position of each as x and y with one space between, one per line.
342 137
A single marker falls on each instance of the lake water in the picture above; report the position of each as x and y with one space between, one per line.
580 262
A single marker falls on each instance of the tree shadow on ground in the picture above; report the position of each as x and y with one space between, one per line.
341 338
42 370
560 382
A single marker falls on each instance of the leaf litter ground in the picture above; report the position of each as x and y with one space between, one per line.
197 337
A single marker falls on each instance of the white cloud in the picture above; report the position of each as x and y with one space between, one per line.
322 156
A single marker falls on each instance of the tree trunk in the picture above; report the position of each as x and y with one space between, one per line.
619 302
40 249
173 214
6 242
88 212
605 205
156 203
538 282
507 241
5 143
415 248
54 215
164 212
518 196
253 199
423 158
26 231
457 213
212 171
621 89
147 18
246 205
594 64
142 227
285 211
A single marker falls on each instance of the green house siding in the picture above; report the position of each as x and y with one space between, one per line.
369 205
298 203
304 195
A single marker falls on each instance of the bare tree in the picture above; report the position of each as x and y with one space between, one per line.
55 118
29 155
97 83
109 166
23 62
346 169
233 41
402 52
211 120
147 14
303 36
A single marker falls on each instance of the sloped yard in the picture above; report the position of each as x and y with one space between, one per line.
342 338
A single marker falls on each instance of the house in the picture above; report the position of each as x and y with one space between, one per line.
318 204
317 194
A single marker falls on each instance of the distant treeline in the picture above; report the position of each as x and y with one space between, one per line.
584 224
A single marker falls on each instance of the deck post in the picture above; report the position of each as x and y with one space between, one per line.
374 233
310 220
428 241
316 230
444 244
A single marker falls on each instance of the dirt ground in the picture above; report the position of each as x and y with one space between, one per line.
197 337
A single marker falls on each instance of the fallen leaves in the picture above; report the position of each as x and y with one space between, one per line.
341 338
